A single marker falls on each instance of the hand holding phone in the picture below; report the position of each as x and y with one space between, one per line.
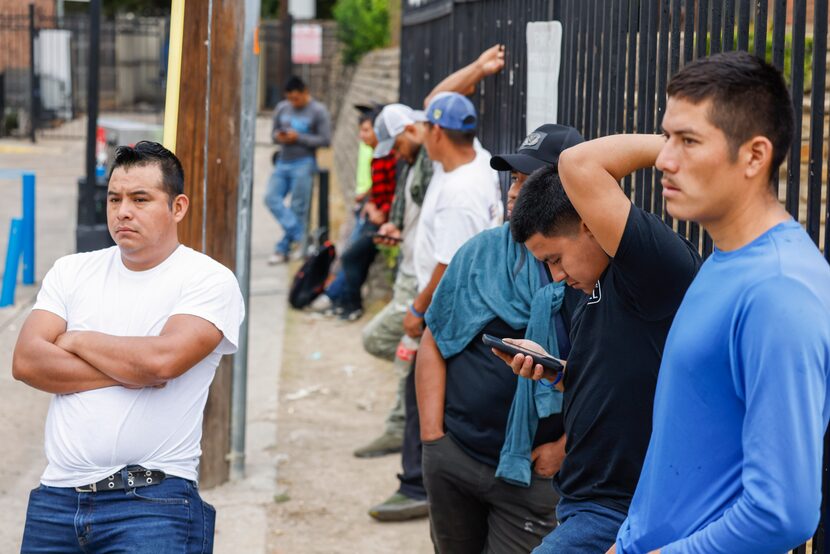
552 366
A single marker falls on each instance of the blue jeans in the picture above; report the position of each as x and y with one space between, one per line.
335 289
584 527
159 519
295 178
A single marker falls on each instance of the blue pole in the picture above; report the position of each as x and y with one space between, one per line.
12 262
28 228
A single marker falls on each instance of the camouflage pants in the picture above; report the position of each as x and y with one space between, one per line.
381 337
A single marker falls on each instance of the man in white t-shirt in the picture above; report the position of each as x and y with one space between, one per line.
128 339
463 199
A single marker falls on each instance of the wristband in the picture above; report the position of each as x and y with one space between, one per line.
551 384
416 313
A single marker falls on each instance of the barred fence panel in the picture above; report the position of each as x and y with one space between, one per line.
44 64
617 58
439 36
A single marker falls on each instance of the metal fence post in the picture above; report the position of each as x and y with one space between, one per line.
239 388
28 228
323 206
34 94
12 262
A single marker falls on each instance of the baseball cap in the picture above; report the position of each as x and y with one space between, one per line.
391 122
539 149
450 110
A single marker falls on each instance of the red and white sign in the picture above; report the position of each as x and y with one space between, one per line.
306 43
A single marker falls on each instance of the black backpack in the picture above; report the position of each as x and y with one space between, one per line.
310 280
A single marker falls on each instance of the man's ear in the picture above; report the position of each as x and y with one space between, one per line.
180 205
756 154
583 229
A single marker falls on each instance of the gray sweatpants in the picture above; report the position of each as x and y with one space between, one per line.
382 335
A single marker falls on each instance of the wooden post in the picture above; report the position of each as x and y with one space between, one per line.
207 143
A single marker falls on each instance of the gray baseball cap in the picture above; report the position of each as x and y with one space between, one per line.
391 122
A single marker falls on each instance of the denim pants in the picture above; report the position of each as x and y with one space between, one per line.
355 263
335 289
584 527
159 519
292 177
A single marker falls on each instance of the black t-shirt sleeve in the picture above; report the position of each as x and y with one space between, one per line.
654 265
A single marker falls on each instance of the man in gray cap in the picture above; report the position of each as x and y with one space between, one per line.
398 128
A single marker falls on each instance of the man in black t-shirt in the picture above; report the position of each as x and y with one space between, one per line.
477 502
636 271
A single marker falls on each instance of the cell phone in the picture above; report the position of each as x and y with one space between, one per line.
387 237
553 366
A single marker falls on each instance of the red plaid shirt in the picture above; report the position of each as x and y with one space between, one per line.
383 182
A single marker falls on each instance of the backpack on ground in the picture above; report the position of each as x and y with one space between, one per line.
310 280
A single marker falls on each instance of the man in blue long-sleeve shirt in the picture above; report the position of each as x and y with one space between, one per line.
735 458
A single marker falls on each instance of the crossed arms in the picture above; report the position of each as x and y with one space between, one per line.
49 358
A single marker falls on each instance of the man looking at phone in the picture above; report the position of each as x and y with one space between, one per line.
742 401
477 469
636 270
301 125
410 499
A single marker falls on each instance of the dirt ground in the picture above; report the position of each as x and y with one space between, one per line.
333 398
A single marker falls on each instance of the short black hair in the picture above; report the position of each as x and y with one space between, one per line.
294 84
543 207
749 98
146 153
458 138
368 115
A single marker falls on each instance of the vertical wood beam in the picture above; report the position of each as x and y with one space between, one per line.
207 143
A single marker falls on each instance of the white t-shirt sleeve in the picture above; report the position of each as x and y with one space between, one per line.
215 297
52 294
454 227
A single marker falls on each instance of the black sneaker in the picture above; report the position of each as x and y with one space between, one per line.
399 507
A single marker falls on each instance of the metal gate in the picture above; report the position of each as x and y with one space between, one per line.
44 65
617 57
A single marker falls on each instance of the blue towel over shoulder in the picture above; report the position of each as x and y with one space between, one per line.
493 276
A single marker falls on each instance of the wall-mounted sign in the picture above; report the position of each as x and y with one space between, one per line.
306 43
302 9
544 55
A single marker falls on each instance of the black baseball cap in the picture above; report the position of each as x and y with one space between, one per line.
539 149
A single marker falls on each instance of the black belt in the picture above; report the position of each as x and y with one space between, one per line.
137 476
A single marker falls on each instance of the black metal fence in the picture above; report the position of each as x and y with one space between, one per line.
617 57
44 65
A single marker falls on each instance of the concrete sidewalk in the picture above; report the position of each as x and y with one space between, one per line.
241 506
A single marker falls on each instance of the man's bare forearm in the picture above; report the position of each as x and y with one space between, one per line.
130 360
47 367
430 387
464 80
424 298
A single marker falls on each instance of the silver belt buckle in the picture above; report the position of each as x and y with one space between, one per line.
87 488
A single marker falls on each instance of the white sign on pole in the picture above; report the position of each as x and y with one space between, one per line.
544 56
302 9
306 43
